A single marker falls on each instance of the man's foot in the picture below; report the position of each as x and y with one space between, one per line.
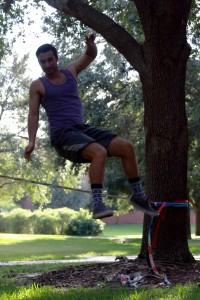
144 206
101 211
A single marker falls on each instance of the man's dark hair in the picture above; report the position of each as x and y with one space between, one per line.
45 48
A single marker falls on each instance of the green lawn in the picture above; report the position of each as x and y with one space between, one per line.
123 231
116 240
48 293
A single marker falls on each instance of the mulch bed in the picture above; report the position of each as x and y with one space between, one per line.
108 274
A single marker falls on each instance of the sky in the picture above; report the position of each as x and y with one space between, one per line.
34 37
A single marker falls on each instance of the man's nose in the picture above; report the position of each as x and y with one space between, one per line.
46 64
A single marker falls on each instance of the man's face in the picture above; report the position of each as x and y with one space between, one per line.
48 62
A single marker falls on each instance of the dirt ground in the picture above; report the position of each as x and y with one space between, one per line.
110 274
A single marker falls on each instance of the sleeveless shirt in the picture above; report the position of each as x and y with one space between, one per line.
62 103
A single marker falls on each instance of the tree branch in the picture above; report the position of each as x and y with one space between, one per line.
113 33
5 183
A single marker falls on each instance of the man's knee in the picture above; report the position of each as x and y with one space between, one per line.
94 151
129 145
121 147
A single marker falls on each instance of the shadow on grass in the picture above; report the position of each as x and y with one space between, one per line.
68 247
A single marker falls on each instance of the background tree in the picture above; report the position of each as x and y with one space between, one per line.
193 108
11 14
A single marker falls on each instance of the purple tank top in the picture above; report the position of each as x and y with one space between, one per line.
62 103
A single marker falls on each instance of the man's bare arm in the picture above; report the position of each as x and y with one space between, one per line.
89 55
33 118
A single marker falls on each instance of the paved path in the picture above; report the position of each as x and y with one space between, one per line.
82 259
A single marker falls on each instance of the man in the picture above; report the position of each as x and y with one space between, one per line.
57 92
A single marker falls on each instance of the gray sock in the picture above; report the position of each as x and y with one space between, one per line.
96 194
137 188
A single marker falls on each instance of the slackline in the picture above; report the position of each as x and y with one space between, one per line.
55 185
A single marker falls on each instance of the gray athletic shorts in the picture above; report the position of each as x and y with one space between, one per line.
70 142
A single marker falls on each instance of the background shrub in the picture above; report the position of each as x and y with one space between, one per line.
50 221
2 222
17 221
44 222
82 224
64 216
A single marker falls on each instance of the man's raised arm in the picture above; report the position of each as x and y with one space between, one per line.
88 56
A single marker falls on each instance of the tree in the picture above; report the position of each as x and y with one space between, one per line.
160 59
10 15
12 94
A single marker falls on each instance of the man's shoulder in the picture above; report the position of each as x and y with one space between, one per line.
37 81
72 69
36 85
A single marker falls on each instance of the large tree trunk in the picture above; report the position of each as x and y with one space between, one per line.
166 53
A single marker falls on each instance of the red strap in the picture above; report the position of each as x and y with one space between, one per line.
161 218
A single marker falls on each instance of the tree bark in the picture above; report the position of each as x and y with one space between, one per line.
165 122
197 221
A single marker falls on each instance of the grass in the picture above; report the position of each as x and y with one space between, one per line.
123 231
116 240
62 247
49 293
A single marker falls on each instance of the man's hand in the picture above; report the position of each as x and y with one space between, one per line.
91 46
28 150
90 39
84 60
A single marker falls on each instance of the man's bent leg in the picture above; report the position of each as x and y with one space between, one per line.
124 149
97 155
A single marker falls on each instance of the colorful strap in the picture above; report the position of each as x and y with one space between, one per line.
161 206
